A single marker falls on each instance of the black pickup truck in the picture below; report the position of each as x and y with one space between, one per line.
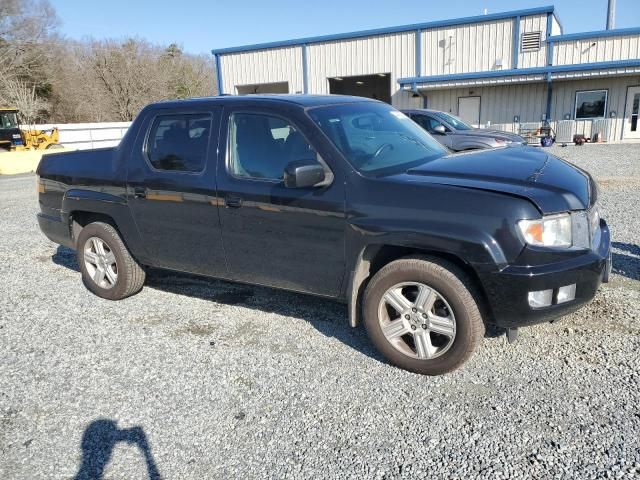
340 197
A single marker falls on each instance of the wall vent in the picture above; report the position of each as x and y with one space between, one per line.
531 41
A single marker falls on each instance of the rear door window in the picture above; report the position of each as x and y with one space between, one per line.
178 142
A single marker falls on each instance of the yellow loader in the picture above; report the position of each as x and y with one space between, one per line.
12 138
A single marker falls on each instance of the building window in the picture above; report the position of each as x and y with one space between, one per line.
591 104
531 41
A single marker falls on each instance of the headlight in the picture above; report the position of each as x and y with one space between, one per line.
549 231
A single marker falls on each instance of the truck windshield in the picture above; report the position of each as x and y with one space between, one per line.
376 138
8 120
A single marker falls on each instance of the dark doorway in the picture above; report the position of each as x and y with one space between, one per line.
376 86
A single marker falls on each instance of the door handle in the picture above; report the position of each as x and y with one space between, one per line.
140 192
233 201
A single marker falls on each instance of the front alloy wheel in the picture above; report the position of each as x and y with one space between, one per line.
422 314
416 320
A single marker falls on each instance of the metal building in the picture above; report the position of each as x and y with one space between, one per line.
514 70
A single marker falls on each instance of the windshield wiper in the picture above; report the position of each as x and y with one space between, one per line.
413 140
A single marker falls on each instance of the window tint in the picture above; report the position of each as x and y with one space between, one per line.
179 142
591 104
261 146
428 123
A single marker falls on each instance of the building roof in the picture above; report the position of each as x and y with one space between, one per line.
389 30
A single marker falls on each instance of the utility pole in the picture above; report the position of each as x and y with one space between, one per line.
611 15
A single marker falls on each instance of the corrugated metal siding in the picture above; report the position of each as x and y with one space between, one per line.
498 105
538 58
405 99
563 101
394 54
597 50
473 48
263 66
556 29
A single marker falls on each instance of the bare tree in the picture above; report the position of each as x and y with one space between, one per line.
19 95
62 80
24 27
188 75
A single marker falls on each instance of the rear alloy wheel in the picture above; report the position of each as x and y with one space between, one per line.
421 315
107 267
100 263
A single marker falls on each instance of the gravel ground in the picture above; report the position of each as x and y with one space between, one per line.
197 379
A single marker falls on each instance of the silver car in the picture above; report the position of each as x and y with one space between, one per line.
455 134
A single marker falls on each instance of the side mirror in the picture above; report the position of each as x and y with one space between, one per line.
303 174
439 129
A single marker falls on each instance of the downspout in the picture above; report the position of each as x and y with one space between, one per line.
305 72
549 63
414 86
516 42
549 99
219 74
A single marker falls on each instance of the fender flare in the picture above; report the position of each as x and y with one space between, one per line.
113 206
492 257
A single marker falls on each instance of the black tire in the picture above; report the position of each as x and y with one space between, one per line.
451 283
130 275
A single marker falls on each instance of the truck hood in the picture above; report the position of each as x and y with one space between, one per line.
552 184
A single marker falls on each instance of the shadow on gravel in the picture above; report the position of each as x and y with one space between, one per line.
98 442
626 265
65 257
326 316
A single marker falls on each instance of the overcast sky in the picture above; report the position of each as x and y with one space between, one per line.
200 25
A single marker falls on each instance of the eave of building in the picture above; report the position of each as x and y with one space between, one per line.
523 75
549 9
619 32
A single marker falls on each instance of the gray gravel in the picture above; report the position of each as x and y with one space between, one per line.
204 379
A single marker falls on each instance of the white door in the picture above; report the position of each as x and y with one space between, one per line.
469 110
632 118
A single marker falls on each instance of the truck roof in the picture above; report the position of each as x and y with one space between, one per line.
298 99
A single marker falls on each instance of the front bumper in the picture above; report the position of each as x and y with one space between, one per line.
507 290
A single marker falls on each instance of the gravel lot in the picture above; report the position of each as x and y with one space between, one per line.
197 379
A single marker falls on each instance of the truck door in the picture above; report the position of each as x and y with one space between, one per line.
171 189
291 238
